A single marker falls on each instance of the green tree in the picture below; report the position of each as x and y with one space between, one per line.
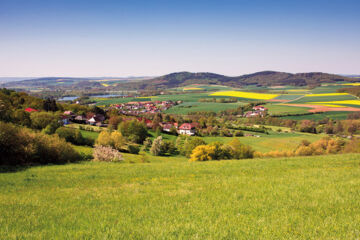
134 130
191 143
40 120
156 146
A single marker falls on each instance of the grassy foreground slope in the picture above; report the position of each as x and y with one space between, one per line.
294 198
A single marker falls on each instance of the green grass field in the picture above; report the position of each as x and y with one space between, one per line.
273 141
283 109
88 134
286 198
324 99
109 101
264 143
288 96
188 107
335 115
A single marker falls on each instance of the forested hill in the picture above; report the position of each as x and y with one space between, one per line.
266 78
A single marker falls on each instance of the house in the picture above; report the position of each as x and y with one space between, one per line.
69 113
65 120
167 127
80 119
30 110
260 108
147 122
187 129
96 119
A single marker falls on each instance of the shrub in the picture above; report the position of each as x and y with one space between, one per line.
190 143
134 149
239 150
71 135
202 153
168 147
239 133
104 139
22 146
147 143
352 146
106 154
12 147
220 151
275 154
117 140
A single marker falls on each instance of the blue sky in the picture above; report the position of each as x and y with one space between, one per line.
155 37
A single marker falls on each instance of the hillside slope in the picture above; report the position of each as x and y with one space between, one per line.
266 78
287 198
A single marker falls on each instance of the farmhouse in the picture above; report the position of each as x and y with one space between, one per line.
167 127
258 111
80 119
260 108
96 119
187 129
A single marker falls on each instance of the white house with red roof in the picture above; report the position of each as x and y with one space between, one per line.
260 108
187 129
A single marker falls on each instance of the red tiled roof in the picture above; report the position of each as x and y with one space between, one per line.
30 110
186 126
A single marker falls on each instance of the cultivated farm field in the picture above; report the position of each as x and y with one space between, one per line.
285 198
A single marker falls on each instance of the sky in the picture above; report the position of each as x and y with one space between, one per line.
82 38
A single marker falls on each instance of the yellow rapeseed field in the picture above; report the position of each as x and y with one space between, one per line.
346 102
191 88
105 85
325 94
325 104
261 96
351 84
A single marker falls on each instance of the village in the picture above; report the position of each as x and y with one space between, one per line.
138 109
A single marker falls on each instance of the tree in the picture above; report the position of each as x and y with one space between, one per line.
117 140
21 117
147 143
40 120
70 135
50 105
11 145
156 146
191 143
104 139
114 121
97 110
134 130
168 147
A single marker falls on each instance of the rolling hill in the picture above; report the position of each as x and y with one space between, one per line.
265 78
178 79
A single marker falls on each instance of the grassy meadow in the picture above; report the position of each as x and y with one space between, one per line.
170 198
273 141
188 107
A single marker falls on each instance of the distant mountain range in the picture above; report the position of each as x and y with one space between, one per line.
265 78
64 81
178 79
